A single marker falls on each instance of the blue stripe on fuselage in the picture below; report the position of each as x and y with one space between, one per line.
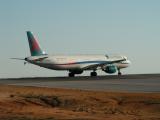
84 62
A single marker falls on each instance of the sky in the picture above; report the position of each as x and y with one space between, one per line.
120 27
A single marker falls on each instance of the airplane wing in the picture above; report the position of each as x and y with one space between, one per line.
100 65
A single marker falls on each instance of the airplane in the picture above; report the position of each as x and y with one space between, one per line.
74 64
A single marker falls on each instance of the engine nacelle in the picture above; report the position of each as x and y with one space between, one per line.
110 69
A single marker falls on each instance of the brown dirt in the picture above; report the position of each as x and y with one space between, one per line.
34 103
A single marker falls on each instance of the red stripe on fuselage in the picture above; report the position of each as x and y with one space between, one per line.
71 63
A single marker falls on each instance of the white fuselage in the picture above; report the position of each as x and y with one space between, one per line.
72 62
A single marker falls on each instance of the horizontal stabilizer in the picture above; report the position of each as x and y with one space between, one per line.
18 58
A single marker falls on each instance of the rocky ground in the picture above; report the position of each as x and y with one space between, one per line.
35 103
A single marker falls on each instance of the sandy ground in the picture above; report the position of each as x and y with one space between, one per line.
35 103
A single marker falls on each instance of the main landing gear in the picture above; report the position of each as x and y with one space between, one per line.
93 74
71 74
119 72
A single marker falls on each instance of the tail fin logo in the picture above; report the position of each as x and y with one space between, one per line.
34 45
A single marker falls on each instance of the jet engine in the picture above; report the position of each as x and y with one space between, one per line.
110 69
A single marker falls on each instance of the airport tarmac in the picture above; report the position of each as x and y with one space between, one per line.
125 83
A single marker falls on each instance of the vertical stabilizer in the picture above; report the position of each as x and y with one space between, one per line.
34 45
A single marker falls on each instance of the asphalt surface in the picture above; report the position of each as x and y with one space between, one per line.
126 83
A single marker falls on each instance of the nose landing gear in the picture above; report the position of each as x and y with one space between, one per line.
119 72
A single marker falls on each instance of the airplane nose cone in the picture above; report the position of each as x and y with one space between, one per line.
128 62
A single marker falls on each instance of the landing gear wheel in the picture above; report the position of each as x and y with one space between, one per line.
119 72
93 74
71 74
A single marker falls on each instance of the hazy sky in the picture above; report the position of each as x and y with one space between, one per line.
127 27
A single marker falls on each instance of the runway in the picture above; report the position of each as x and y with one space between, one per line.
126 83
